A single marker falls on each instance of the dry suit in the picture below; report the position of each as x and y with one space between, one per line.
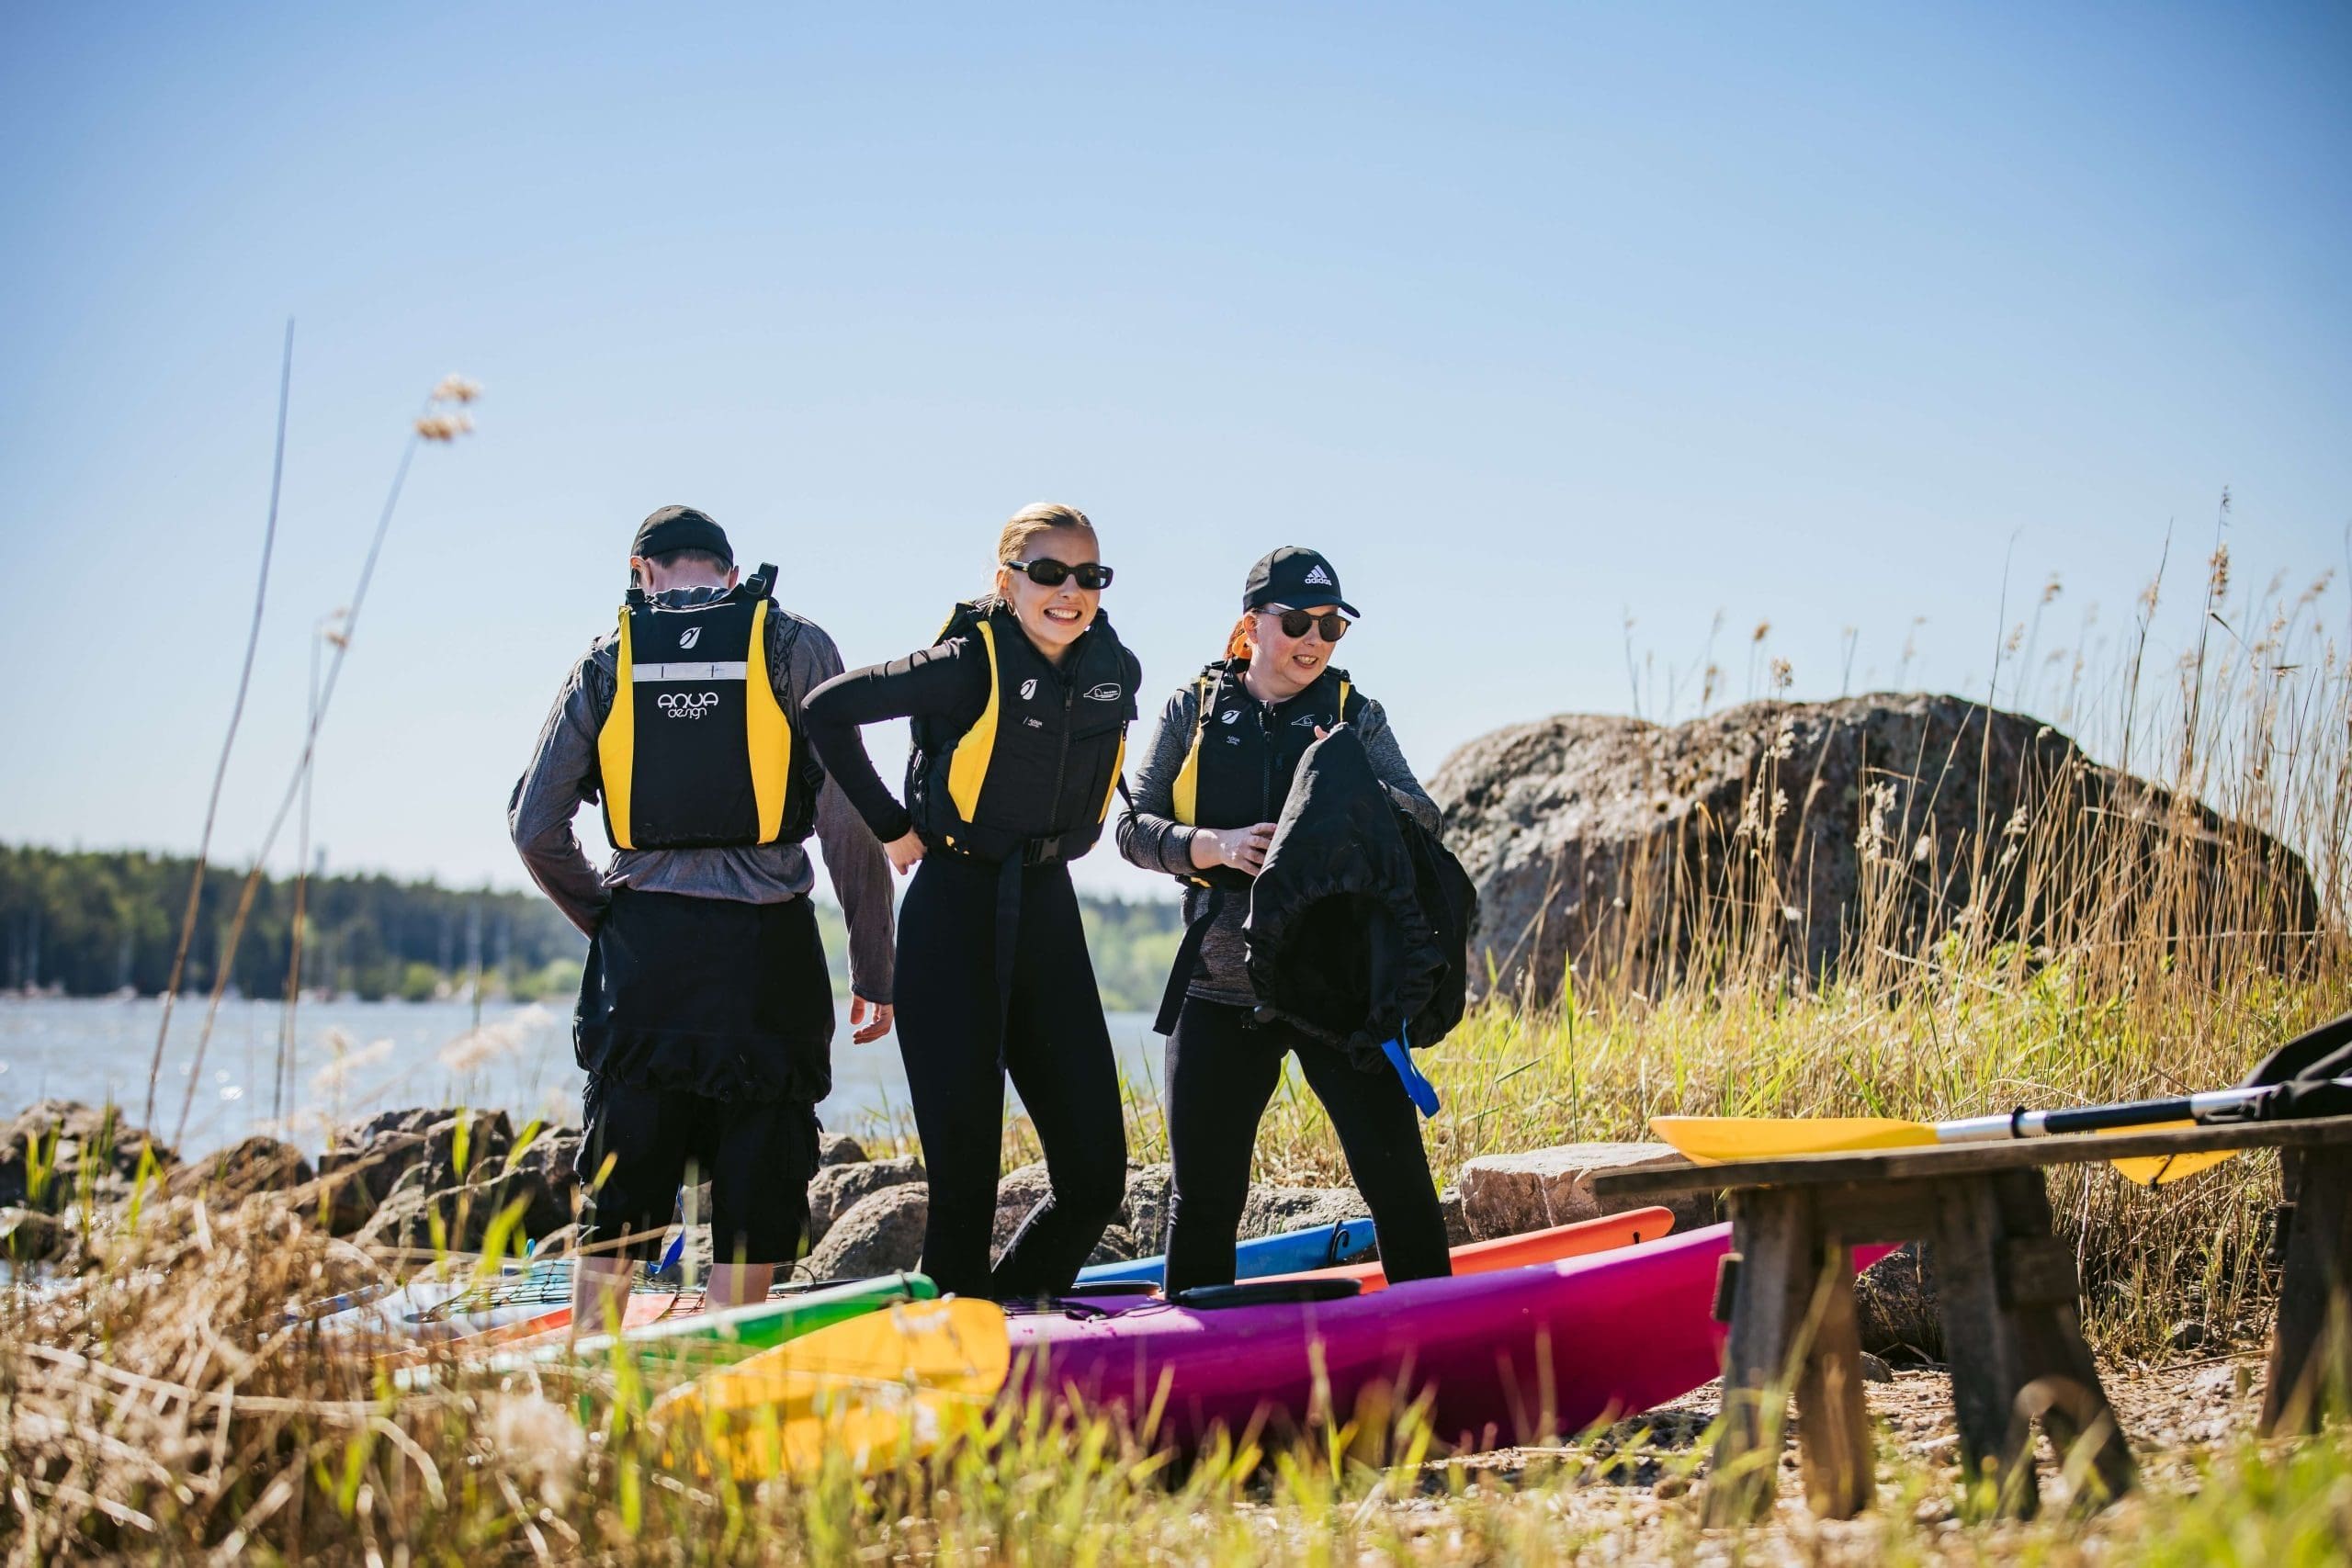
1222 759
1014 762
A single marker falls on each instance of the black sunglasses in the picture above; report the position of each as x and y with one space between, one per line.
1092 576
1331 624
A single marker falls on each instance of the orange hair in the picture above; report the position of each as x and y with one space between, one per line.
1238 644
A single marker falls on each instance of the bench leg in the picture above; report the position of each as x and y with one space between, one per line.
2059 1382
1977 1341
1784 1260
2308 1349
1833 1422
2013 1335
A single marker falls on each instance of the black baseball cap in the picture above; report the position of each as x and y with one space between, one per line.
1294 577
681 528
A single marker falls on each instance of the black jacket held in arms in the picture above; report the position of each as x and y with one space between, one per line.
2305 1076
1360 922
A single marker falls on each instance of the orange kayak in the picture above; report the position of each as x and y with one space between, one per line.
1579 1240
552 1325
549 1325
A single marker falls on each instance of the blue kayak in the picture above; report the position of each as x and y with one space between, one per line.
1294 1252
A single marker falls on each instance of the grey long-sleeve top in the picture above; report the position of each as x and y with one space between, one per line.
1150 837
561 778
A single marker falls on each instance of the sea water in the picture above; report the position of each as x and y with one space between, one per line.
352 1058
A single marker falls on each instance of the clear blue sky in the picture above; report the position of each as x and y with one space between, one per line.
1533 318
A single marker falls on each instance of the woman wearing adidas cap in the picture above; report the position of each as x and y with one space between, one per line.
1020 713
1203 811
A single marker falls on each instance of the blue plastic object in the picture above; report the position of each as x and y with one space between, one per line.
1293 1252
1422 1092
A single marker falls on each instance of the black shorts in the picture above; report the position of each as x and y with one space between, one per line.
725 999
757 1155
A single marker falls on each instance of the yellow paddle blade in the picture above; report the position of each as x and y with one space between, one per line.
866 1388
1714 1139
2155 1170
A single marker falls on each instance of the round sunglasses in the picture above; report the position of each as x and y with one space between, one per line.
1092 576
1331 624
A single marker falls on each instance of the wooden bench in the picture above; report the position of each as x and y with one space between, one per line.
2007 1290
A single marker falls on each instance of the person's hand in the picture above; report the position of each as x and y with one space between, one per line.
868 1022
904 851
1243 849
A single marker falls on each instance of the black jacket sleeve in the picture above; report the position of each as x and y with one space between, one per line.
948 681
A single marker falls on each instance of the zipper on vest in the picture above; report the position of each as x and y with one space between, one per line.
1266 733
1061 758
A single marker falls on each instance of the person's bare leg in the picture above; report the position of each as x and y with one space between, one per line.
739 1284
600 1288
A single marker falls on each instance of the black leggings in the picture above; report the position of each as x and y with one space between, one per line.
1223 1068
1058 1050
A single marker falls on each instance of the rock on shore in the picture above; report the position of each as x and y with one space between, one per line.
1816 833
1509 1194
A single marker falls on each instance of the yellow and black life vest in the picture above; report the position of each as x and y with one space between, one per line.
699 749
1032 777
1237 771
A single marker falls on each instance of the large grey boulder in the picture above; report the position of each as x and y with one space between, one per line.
838 1188
879 1234
1510 1194
838 1149
1817 834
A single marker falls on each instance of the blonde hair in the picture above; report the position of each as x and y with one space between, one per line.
1037 517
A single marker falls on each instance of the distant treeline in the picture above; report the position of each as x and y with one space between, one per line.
95 922
92 922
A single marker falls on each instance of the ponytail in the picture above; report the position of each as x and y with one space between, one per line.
1237 646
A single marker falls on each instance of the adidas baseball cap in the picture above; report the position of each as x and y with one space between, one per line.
1292 577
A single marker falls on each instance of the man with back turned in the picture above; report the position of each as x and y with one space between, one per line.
706 1013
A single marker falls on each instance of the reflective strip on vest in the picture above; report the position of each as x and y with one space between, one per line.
769 733
1118 770
1187 788
727 670
967 769
617 744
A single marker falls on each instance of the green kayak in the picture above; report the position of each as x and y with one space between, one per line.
685 1346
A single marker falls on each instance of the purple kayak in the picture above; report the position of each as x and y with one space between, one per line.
1510 1357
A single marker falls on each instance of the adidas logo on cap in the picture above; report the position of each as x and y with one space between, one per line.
1316 574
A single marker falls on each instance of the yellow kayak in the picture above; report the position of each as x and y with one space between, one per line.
890 1383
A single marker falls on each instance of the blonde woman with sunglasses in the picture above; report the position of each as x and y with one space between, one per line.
1020 711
